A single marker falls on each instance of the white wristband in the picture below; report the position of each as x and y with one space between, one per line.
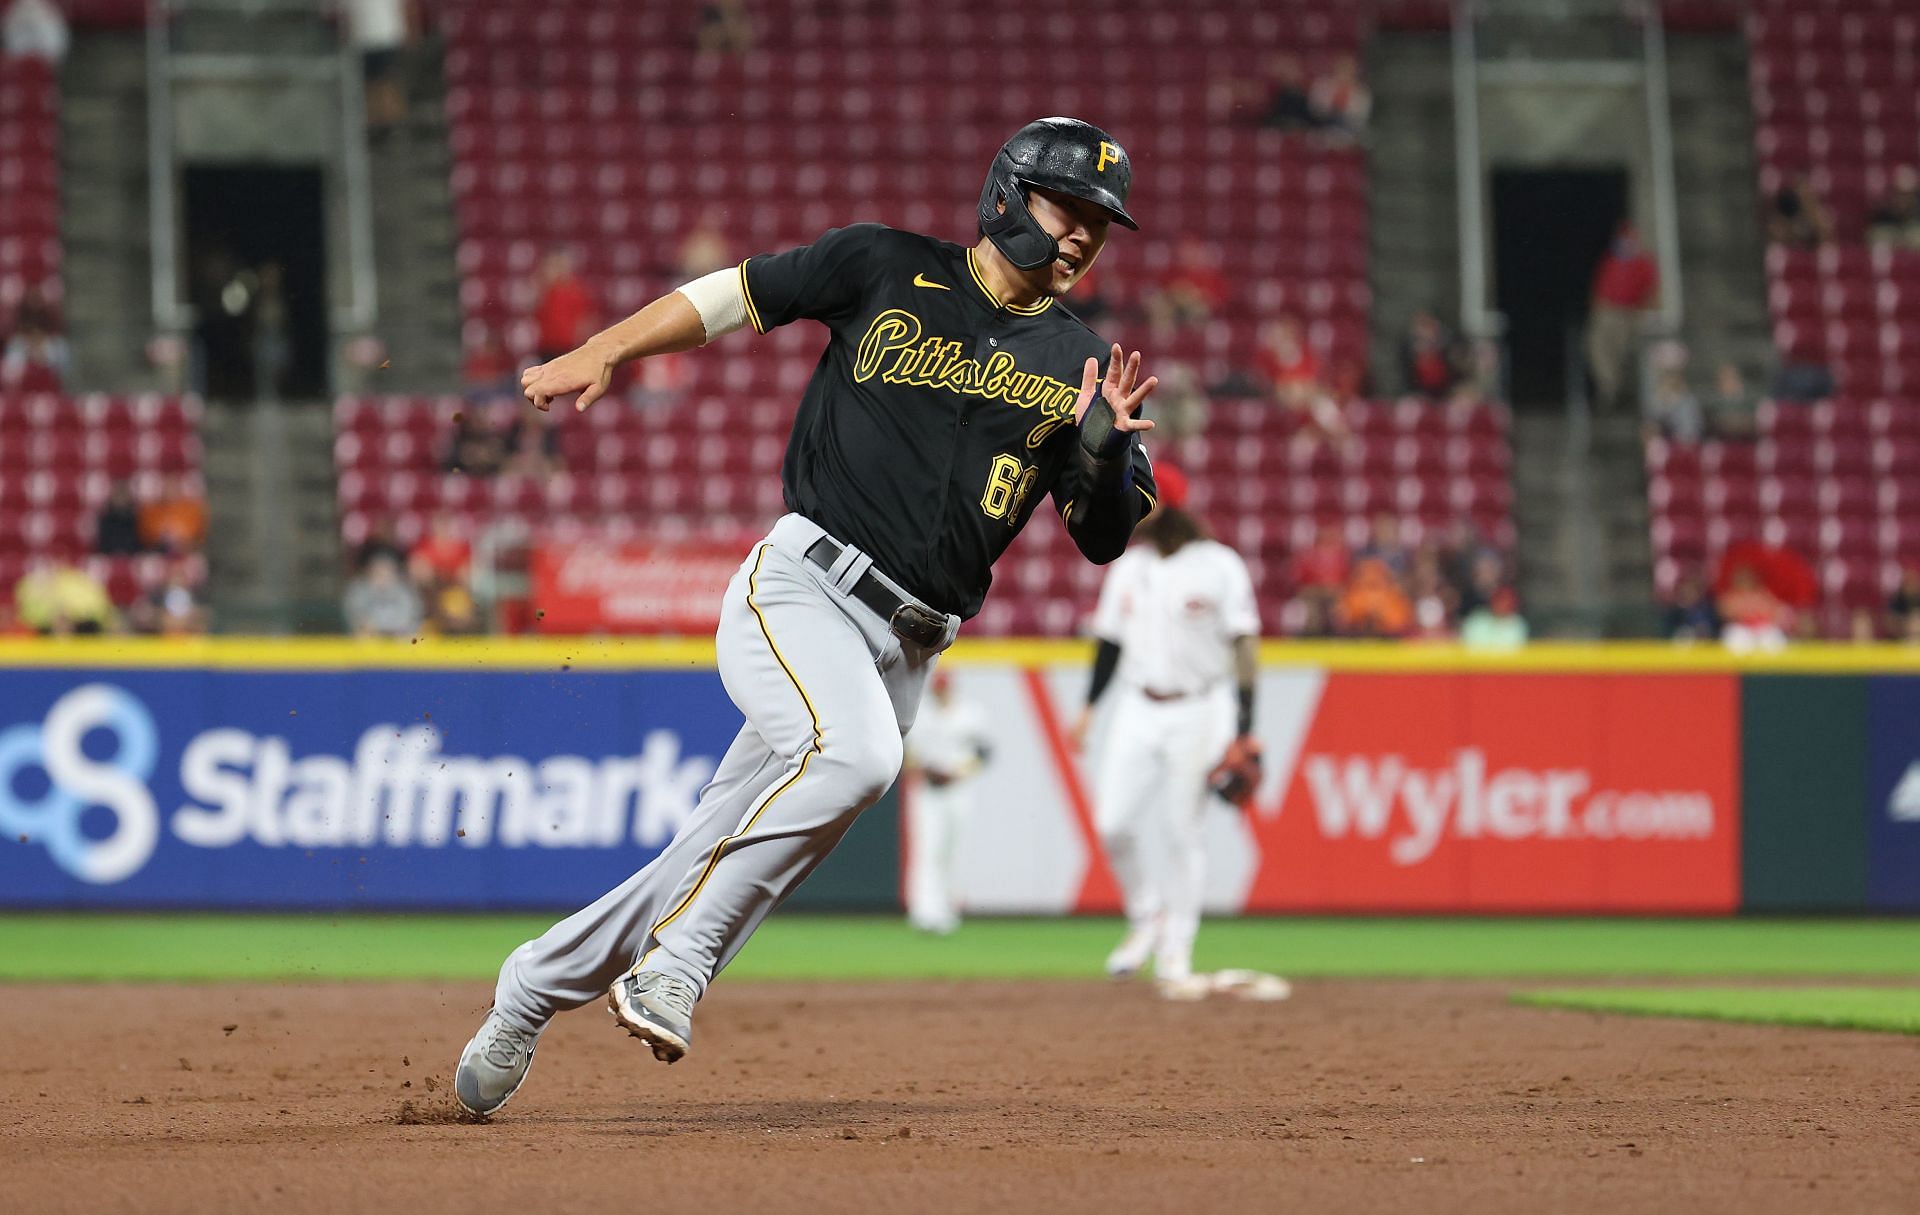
720 299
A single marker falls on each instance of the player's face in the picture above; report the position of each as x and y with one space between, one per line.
1078 227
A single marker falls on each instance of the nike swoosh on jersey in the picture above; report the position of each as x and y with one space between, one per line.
921 280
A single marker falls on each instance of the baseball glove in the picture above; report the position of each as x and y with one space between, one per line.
1237 774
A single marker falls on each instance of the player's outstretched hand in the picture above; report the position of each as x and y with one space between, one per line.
1119 390
583 371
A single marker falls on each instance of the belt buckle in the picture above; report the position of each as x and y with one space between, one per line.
911 622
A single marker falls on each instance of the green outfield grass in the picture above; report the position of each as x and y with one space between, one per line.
1896 1009
229 947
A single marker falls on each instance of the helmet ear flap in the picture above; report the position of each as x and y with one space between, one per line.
1013 231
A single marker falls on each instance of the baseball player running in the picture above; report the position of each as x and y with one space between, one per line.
954 393
947 749
1177 631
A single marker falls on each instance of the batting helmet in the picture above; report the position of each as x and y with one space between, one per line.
1064 154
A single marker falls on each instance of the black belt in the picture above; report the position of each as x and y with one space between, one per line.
909 620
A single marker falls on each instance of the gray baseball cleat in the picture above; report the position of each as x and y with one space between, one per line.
494 1065
657 1009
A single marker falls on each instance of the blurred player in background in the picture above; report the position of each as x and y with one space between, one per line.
947 749
1178 631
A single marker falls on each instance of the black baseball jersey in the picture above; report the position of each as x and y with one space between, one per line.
937 417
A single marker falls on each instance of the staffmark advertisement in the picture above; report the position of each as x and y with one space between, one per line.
378 788
1416 792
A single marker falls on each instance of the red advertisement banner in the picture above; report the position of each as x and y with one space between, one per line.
1496 793
631 587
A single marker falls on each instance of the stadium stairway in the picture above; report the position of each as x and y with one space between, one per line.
103 212
1415 237
1583 554
413 235
273 544
1722 249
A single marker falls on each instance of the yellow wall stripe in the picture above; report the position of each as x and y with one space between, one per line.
556 655
720 848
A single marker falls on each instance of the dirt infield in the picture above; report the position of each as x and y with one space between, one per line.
922 1097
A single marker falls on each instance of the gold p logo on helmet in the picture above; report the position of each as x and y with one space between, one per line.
1109 154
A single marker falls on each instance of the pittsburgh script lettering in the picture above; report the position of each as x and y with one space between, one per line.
896 351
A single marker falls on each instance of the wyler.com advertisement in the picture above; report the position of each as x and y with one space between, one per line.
1404 792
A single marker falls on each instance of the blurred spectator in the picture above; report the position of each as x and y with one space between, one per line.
381 603
1384 545
1752 617
379 30
36 358
454 613
565 310
172 609
1802 382
1497 625
1287 363
1691 615
1862 629
442 555
1433 599
1374 605
1339 102
379 543
34 29
117 530
1731 406
477 447
175 522
533 443
704 250
1191 291
1797 218
1287 107
272 348
488 368
1486 574
1090 302
1674 411
60 600
1180 403
1896 221
1319 571
1903 610
1429 358
1623 287
725 28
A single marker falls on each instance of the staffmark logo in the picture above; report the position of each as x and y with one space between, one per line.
48 782
397 789
1383 797
1904 805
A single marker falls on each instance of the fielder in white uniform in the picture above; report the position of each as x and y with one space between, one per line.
1177 628
947 749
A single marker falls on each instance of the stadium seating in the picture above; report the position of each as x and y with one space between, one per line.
849 112
1836 97
59 455
29 184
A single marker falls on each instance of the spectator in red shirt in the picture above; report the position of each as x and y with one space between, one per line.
1288 363
1320 571
1191 291
1623 287
442 555
1428 358
565 311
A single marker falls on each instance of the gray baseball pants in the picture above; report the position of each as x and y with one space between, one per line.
828 691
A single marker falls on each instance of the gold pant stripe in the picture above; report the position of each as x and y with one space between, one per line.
720 848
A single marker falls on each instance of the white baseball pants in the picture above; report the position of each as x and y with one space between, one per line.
934 818
828 692
1150 803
